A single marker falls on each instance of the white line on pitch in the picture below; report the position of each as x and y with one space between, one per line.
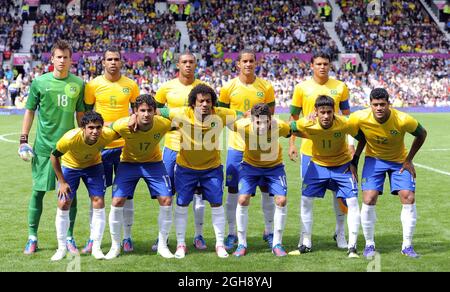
432 169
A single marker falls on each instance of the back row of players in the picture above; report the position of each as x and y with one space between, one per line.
184 111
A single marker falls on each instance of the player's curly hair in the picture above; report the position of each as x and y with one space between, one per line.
324 100
379 93
260 109
91 117
201 89
147 99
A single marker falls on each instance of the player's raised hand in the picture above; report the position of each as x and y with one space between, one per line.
25 152
409 166
132 123
64 191
293 153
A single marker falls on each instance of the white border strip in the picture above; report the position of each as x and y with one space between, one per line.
432 169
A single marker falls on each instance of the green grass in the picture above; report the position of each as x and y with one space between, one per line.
432 237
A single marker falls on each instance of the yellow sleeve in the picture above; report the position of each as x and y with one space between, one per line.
410 124
297 101
110 135
62 145
270 97
228 116
161 95
345 93
353 124
134 92
89 93
118 125
224 96
284 128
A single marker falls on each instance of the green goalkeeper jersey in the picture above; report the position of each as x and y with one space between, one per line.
56 101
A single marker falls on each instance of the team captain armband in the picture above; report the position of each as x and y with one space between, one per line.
57 154
418 131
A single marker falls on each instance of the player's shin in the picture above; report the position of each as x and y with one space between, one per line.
128 218
340 216
353 221
268 207
73 215
306 213
408 217
231 204
242 222
62 222
218 220
34 212
279 224
164 221
368 219
199 214
115 225
98 227
181 218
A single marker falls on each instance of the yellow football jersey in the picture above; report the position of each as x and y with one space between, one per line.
199 147
242 97
384 141
111 99
174 94
262 150
304 98
329 146
142 146
78 154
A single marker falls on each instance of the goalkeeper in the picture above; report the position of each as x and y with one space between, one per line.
57 95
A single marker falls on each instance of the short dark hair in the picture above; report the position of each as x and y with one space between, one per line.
246 51
324 100
260 109
112 49
201 89
61 45
147 99
186 53
321 54
379 93
91 117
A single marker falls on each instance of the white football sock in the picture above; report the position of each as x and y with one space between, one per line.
242 222
199 214
181 218
268 207
128 218
408 218
340 216
368 219
115 225
62 223
164 221
98 226
218 221
91 212
231 205
353 221
306 213
279 224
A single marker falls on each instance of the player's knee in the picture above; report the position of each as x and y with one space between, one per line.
64 205
233 190
118 202
407 197
280 201
244 200
165 201
370 198
98 202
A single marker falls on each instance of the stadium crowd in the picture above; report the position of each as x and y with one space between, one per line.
213 26
403 26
